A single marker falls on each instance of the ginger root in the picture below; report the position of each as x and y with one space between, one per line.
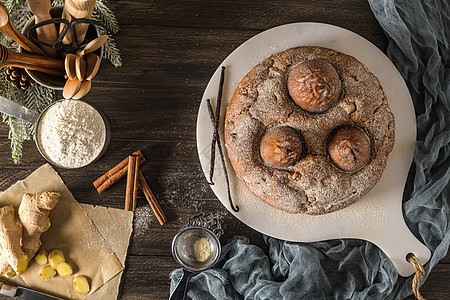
47 273
33 212
5 268
55 257
41 258
64 269
20 237
81 284
11 243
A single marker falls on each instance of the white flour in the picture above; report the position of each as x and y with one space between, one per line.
71 133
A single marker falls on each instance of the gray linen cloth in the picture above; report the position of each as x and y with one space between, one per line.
418 33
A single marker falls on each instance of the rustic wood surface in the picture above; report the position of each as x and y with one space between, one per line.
170 49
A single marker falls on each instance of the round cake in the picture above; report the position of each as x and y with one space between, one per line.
309 130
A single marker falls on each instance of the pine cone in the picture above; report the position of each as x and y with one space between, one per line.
19 78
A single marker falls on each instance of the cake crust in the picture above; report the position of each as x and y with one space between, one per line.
313 185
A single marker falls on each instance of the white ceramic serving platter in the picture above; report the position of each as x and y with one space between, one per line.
377 217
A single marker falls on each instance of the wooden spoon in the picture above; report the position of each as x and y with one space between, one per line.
94 44
7 28
84 89
80 68
92 65
31 61
71 88
69 65
47 33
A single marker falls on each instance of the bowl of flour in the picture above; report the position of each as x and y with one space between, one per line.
72 133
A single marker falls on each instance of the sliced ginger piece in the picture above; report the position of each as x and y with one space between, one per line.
81 284
11 273
47 273
41 258
22 265
64 269
55 257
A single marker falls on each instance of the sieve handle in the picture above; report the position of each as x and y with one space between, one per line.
180 291
16 110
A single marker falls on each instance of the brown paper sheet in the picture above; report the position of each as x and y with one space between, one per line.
110 222
74 233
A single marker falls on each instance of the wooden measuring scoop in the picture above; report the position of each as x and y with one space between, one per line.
47 33
71 88
76 89
7 28
83 90
69 65
92 65
39 63
80 68
94 44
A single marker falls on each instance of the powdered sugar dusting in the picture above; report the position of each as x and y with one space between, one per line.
143 219
89 239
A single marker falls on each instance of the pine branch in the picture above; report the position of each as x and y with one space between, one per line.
16 150
13 5
19 132
111 52
9 91
38 97
105 15
57 3
22 17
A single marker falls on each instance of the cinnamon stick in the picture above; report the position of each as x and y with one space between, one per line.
130 182
152 199
113 175
135 183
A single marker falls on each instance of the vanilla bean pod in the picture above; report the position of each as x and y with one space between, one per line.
222 158
216 125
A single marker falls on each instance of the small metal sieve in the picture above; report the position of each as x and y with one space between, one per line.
201 228
16 110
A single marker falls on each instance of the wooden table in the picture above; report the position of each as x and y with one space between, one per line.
170 49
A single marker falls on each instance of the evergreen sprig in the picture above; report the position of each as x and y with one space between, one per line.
103 14
38 97
111 52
